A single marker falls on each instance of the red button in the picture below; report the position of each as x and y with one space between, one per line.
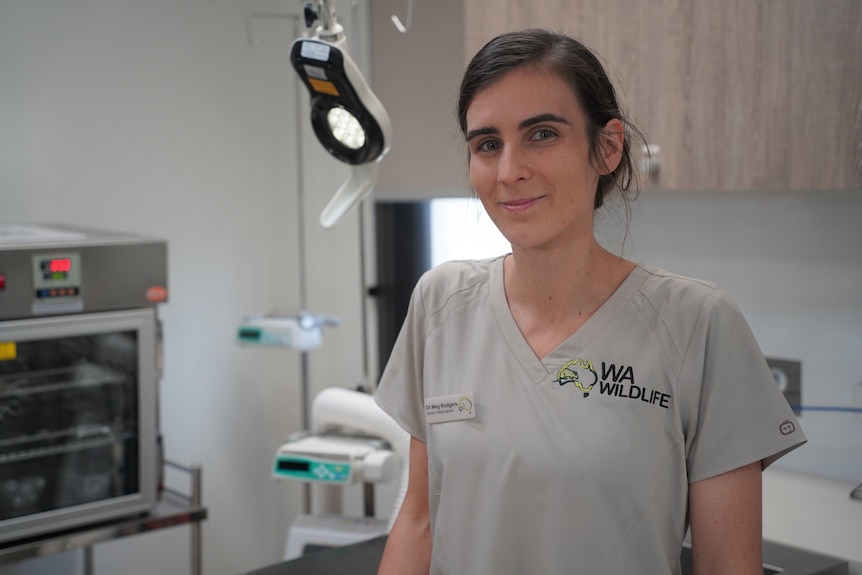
2 281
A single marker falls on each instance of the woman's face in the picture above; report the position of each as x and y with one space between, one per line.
530 159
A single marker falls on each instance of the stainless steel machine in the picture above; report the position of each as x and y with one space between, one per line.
79 371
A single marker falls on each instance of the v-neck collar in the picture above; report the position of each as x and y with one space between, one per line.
537 368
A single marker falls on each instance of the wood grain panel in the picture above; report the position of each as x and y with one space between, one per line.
739 94
826 94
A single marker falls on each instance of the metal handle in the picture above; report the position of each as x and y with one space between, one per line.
650 163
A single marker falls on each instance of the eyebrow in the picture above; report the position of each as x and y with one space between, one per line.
481 132
523 125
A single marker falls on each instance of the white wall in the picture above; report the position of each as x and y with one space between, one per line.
178 119
416 75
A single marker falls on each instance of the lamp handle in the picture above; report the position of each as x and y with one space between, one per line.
357 186
397 21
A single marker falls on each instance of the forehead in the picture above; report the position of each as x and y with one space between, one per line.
523 93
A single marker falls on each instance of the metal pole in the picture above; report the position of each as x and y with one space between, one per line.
300 225
369 499
88 560
197 540
306 422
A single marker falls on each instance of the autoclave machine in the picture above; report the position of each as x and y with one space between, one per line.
79 370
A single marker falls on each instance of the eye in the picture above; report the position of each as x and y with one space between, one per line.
543 134
489 145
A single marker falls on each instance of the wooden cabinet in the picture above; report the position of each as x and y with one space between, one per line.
737 94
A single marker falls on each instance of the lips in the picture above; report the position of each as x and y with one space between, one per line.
521 204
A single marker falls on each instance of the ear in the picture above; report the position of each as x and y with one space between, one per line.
611 146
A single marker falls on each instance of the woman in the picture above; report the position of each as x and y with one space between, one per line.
571 411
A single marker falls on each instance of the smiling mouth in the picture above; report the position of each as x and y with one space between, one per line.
521 204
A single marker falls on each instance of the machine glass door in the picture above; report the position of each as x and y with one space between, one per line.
77 419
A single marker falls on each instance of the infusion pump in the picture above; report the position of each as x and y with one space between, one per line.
336 459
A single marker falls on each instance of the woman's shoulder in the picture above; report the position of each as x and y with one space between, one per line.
672 293
686 306
455 279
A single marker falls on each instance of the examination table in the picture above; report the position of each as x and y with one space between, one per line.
363 559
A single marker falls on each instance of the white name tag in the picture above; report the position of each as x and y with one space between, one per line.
455 407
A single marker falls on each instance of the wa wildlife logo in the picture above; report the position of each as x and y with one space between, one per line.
464 404
615 381
579 373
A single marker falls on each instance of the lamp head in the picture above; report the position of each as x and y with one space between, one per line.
347 118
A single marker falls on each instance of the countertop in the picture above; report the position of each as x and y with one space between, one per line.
363 559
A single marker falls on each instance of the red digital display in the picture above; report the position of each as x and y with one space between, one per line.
60 265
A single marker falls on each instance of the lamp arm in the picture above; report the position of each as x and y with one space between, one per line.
329 30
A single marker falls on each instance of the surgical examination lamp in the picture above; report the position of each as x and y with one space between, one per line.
346 116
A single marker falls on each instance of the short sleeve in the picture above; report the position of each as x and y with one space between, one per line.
400 391
733 412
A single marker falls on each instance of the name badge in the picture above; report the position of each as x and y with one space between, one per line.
457 407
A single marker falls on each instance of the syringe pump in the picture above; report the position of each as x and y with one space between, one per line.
336 459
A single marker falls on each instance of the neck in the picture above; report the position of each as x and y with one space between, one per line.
576 281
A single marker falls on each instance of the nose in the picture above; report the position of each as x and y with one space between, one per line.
513 166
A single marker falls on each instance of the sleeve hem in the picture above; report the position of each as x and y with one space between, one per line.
410 429
767 456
